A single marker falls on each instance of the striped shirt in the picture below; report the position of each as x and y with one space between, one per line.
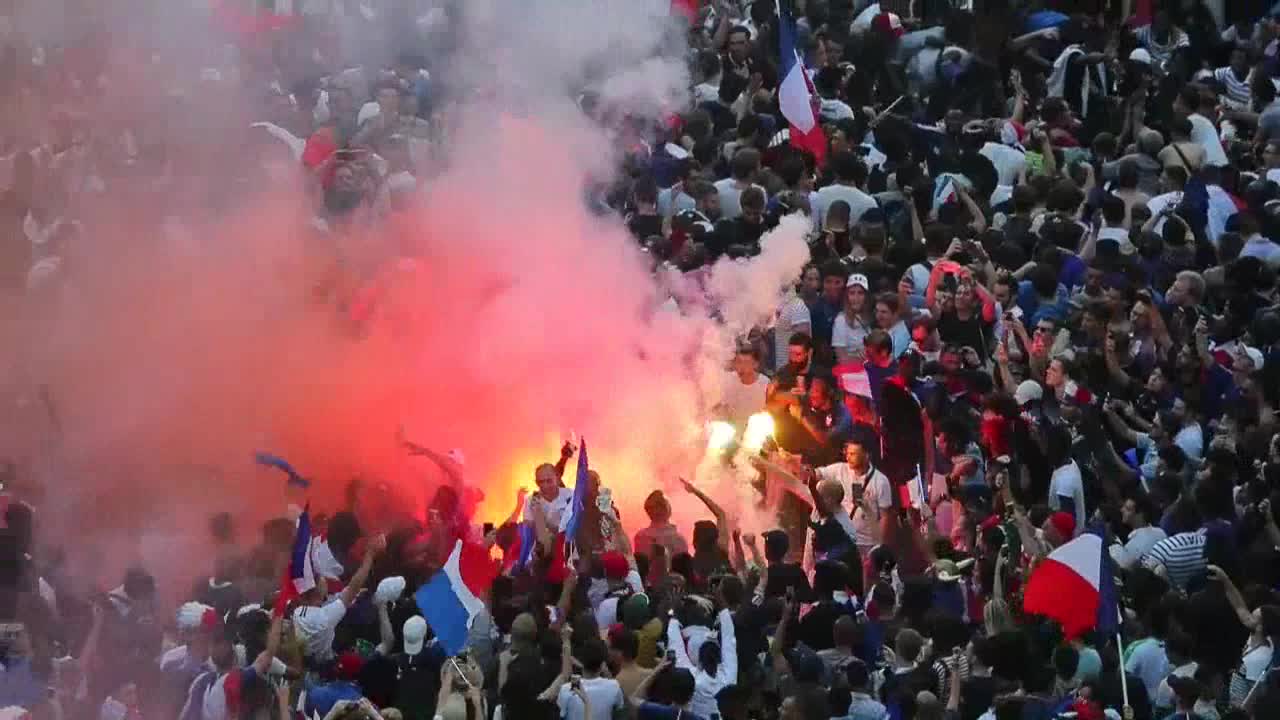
1236 91
1182 556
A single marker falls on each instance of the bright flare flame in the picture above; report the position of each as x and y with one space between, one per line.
759 429
720 435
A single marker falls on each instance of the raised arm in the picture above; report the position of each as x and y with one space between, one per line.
722 519
675 644
386 636
353 588
1241 608
642 690
728 670
262 663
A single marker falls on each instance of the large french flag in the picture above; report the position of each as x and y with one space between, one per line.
1075 586
796 95
300 576
450 600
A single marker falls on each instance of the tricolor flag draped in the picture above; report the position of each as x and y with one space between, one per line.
300 576
796 95
450 600
1075 586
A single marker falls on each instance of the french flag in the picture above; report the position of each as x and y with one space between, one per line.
796 96
450 600
570 521
1075 586
300 576
516 557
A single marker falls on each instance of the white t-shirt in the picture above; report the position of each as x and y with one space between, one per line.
791 314
552 510
879 493
604 694
1164 694
1067 482
314 627
859 202
742 400
848 337
1140 541
731 198
1204 134
1253 666
1009 162
606 608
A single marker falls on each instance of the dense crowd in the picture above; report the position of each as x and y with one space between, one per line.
1041 303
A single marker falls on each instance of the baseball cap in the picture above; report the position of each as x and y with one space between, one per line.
1140 55
415 634
1028 391
350 664
635 611
615 565
858 279
1064 523
888 24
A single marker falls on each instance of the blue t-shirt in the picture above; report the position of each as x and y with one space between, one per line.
322 698
1036 310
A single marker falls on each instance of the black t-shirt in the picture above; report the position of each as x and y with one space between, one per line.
785 575
977 695
974 332
816 626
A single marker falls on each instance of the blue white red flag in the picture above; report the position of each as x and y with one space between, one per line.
796 95
300 576
451 599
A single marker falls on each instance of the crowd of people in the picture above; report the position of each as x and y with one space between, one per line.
1042 302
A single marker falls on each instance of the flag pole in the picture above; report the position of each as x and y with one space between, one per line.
1124 680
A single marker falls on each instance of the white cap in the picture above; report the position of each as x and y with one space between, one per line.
1140 55
858 279
415 634
1027 391
389 590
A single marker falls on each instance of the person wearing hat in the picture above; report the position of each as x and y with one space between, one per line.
322 697
621 580
855 321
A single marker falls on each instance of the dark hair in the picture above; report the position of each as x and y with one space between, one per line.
776 545
709 656
745 162
801 340
847 167
681 686
1113 209
592 653
1066 660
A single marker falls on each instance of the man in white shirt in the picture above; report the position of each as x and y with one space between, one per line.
1191 102
1136 514
1066 492
851 176
742 170
744 388
603 694
871 493
317 616
1255 244
793 318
